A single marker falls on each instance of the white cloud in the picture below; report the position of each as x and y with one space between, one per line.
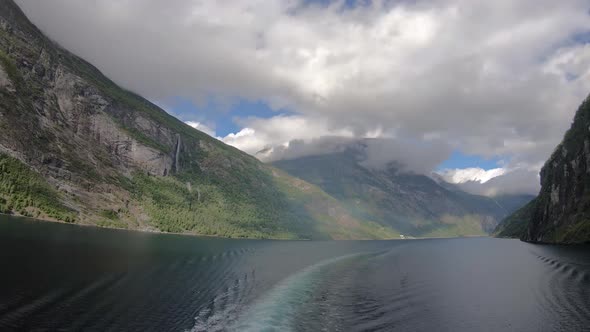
280 130
521 179
470 174
246 140
514 181
489 78
204 128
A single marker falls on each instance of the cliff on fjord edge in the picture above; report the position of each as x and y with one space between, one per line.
76 147
561 211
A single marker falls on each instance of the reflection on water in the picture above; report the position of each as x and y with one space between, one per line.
80 278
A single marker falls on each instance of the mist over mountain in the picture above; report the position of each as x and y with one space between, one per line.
410 202
412 157
494 182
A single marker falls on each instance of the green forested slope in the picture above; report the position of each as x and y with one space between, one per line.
516 224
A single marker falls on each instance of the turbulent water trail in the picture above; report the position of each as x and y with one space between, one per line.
277 310
274 311
568 291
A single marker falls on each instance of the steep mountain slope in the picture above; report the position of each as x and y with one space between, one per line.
561 212
412 204
515 224
76 147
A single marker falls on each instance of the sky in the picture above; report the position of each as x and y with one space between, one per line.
480 92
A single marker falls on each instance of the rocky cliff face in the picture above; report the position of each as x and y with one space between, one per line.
61 108
58 120
76 147
562 210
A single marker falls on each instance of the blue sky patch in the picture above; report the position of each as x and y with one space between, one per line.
223 117
461 160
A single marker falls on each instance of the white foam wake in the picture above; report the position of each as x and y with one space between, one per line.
276 311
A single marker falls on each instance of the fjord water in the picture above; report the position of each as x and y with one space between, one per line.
56 276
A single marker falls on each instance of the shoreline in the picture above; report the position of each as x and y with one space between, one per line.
146 231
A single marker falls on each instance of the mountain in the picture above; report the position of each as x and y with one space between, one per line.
412 204
515 224
76 147
561 211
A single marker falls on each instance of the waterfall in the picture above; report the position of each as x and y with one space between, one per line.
176 164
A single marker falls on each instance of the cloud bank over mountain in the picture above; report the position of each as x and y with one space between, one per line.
503 180
471 174
489 78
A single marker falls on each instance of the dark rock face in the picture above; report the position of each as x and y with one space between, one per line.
562 210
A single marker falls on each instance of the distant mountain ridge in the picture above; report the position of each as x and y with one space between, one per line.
561 211
413 204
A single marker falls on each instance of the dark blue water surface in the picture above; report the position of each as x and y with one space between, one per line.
65 277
